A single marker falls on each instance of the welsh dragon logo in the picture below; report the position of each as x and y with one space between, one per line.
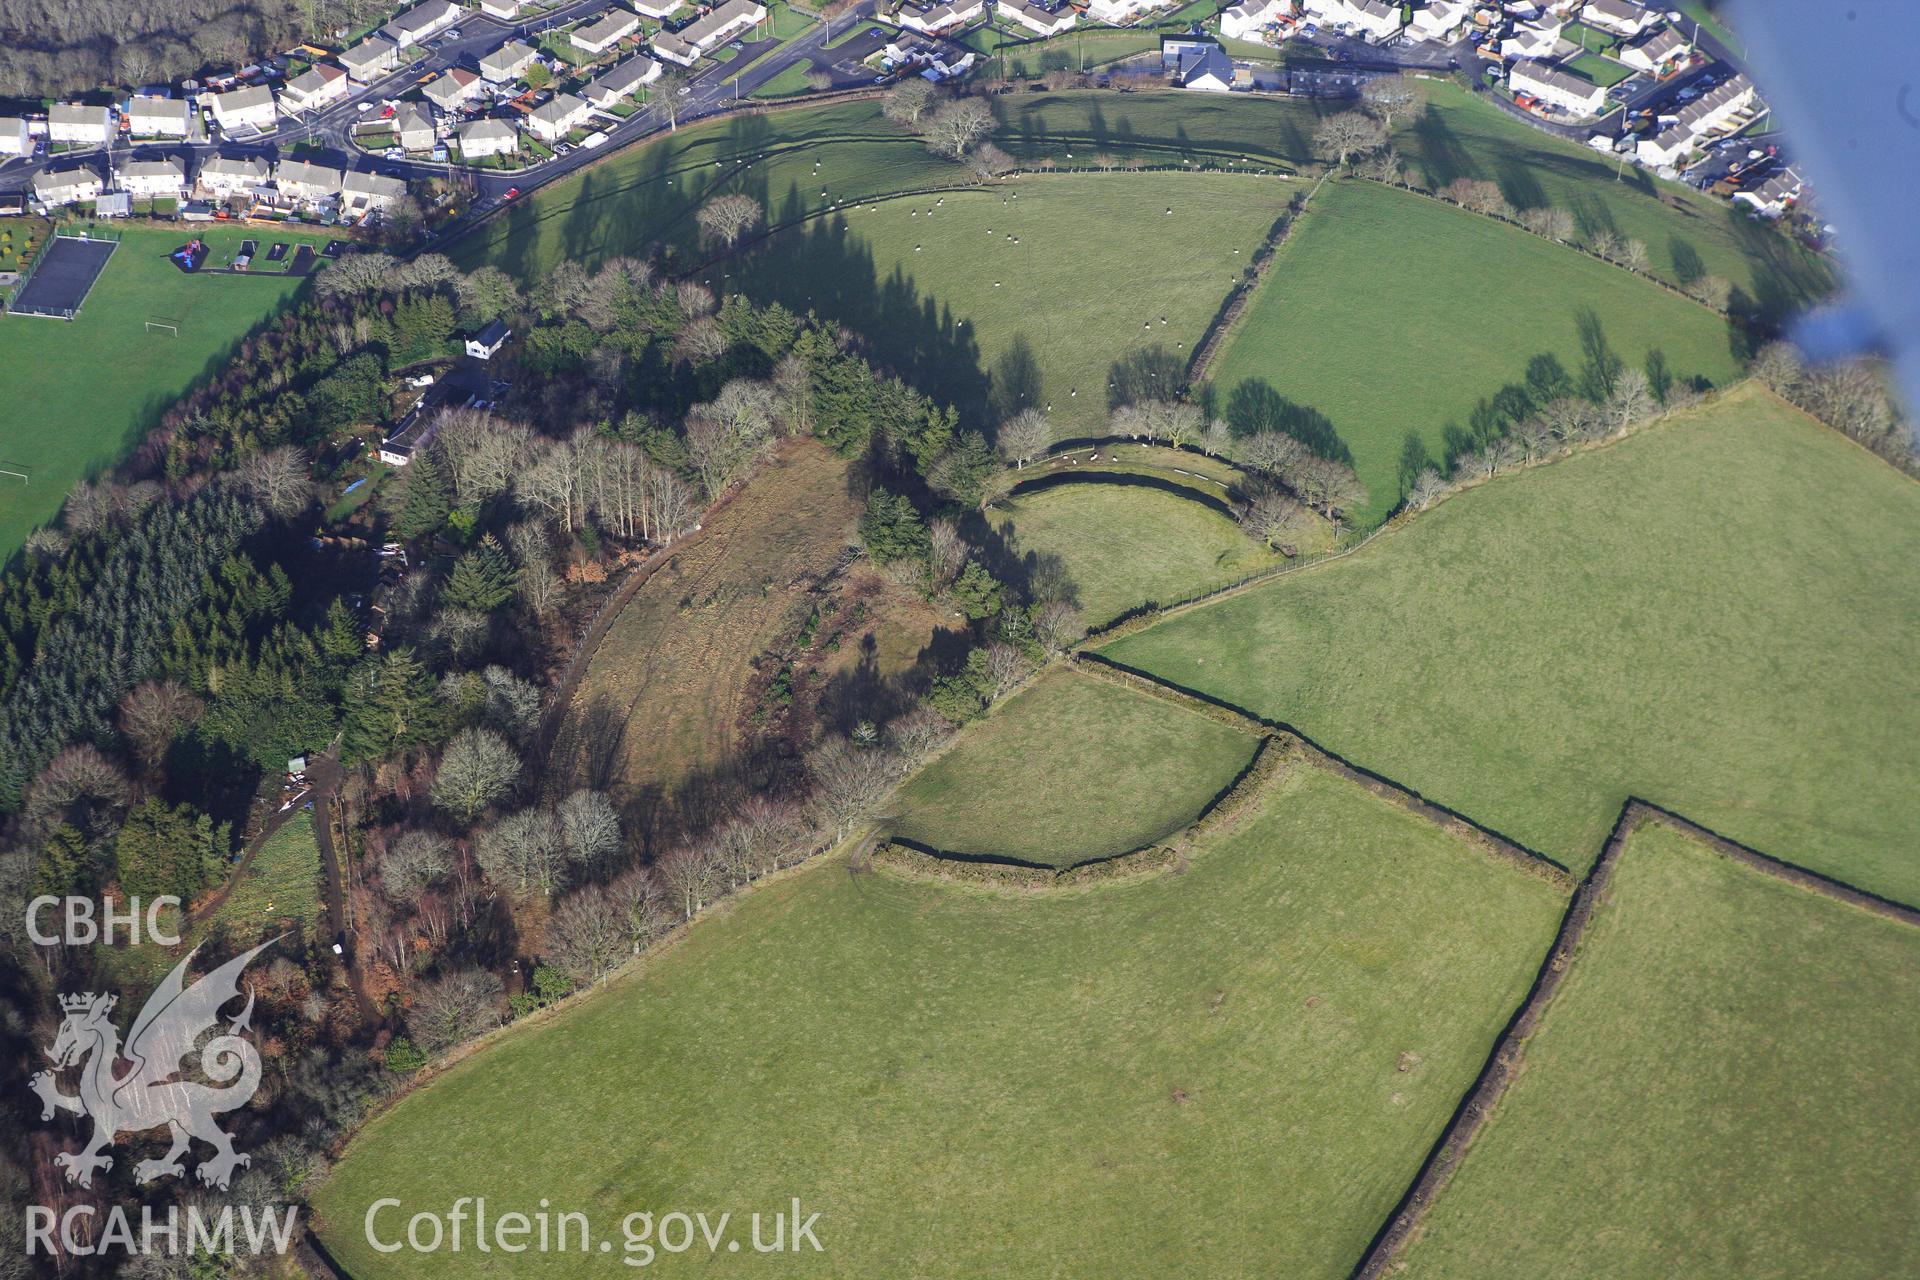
150 1093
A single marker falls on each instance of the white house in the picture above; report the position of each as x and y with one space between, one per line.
1531 41
151 179
366 192
421 21
1722 110
1772 198
1441 20
78 126
505 10
159 117
1621 17
506 63
724 23
451 89
1655 51
1248 19
1197 64
1557 88
14 138
304 184
1669 146
929 19
370 59
1372 18
247 108
70 186
320 85
482 138
1119 12
486 344
655 8
555 119
622 82
413 125
602 34
225 176
1046 22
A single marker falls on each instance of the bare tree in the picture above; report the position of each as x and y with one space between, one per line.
1631 399
412 863
477 768
688 874
918 734
793 396
1006 667
641 913
1216 439
1715 291
1274 452
724 219
989 161
1348 134
946 554
1544 220
1606 243
701 342
1023 436
908 101
454 1009
538 583
588 934
1634 256
667 89
1426 490
1779 367
1275 519
954 128
1330 487
485 454
590 828
1533 437
524 851
848 781
1391 97
1057 625
278 479
153 714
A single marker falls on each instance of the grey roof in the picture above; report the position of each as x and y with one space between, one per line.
412 116
625 78
153 169
64 113
613 23
244 98
555 111
486 131
1660 45
248 168
315 78
1564 81
171 110
48 180
1699 109
373 184
307 175
368 52
1619 10
512 53
730 12
420 18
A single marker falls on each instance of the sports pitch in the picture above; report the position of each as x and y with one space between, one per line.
63 277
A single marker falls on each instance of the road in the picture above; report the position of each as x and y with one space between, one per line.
712 91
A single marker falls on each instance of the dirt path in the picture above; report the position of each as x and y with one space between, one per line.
333 869
323 767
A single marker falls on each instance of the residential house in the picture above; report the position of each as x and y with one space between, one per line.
1119 12
482 138
930 19
555 119
413 125
1045 22
1667 147
1372 18
456 86
1557 88
1621 17
247 109
1249 19
159 117
705 34
69 186
1442 20
368 192
152 179
1197 64
603 33
505 10
225 176
320 85
622 82
1724 109
421 22
303 184
657 9
370 59
507 63
71 124
1531 41
485 344
14 138
1655 51
1774 197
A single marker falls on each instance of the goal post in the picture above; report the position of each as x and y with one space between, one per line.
16 471
167 327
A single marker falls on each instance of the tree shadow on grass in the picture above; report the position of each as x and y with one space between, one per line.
1254 406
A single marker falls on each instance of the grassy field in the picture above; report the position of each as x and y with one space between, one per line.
1461 136
1604 72
1025 293
1392 314
1123 546
279 893
1735 1049
1198 1074
1070 770
660 708
1700 615
93 387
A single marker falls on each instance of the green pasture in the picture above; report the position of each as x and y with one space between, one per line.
1706 615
